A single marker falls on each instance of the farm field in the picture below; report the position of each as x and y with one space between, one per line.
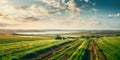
59 29
110 46
24 48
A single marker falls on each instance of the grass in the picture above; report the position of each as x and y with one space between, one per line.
8 38
80 52
67 50
110 46
24 47
20 49
16 39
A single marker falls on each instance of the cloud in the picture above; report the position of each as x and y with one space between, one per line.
24 11
65 6
50 14
86 1
47 8
3 24
6 24
114 15
1 14
36 12
46 17
75 23
94 4
118 14
3 1
19 13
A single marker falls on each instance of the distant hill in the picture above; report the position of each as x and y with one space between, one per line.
87 31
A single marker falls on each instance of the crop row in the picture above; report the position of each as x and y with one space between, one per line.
110 46
20 49
69 52
16 39
80 52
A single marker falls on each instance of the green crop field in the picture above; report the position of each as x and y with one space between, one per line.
110 46
18 48
16 39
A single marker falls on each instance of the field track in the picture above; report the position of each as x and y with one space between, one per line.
50 51
95 53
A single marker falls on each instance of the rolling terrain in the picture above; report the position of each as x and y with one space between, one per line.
74 47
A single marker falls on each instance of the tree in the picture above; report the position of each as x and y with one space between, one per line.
58 37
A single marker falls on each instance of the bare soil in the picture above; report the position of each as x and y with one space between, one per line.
49 52
95 53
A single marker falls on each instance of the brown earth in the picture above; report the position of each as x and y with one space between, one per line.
50 52
95 53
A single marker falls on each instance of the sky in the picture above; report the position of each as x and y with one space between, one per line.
60 14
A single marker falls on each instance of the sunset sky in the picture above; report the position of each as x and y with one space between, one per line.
60 14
